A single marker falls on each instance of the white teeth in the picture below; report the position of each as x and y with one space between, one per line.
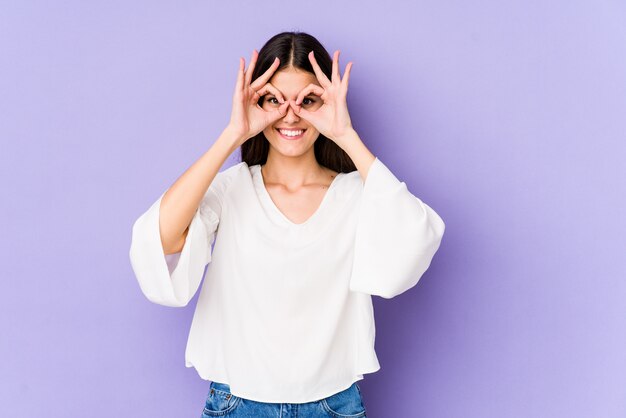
291 133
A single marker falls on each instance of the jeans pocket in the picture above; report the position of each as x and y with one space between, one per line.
345 404
220 401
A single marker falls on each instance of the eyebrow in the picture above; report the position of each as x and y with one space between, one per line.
308 95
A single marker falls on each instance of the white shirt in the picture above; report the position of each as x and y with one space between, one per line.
285 312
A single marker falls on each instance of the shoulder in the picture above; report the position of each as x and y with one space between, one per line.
352 179
223 179
379 176
233 170
348 186
228 174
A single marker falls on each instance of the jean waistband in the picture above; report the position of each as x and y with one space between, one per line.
220 386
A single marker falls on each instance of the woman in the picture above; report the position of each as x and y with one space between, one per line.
305 229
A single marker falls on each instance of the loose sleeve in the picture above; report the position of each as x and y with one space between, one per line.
173 279
397 236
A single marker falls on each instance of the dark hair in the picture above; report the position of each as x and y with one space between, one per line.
292 49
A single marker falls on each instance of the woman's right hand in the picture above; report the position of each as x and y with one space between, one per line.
248 118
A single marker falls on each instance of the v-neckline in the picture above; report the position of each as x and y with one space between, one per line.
265 195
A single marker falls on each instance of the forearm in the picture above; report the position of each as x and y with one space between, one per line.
181 201
355 148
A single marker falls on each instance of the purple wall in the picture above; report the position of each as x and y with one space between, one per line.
507 117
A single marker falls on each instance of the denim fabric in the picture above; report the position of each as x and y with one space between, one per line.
221 403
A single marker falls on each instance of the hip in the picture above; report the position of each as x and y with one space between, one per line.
220 402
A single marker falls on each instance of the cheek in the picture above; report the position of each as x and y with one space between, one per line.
314 133
269 131
314 106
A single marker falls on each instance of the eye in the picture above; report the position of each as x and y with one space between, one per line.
310 101
273 102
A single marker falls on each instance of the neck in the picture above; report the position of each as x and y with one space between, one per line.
293 172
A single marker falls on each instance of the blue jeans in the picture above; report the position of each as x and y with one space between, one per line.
345 404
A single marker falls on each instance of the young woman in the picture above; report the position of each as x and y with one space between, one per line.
306 228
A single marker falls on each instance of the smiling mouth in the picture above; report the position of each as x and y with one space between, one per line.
291 134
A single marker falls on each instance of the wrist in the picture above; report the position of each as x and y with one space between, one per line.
347 136
231 138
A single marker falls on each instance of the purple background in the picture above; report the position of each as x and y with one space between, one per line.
508 118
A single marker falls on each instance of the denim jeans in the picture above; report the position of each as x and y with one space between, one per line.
221 403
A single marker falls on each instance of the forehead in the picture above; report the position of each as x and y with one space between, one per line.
290 81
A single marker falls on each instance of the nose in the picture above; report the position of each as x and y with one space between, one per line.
291 115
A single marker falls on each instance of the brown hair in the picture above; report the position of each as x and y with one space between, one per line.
292 49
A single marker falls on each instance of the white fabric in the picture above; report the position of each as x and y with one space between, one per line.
285 312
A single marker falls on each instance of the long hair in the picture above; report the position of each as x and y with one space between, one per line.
292 48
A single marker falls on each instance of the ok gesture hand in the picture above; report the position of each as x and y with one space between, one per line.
247 117
332 118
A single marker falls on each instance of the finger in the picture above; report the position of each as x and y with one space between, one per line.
335 72
269 88
269 117
239 84
346 76
279 113
321 77
264 78
300 112
311 88
255 56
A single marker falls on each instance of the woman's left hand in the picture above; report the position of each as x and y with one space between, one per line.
332 118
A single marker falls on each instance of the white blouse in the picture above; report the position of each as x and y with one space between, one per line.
285 313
